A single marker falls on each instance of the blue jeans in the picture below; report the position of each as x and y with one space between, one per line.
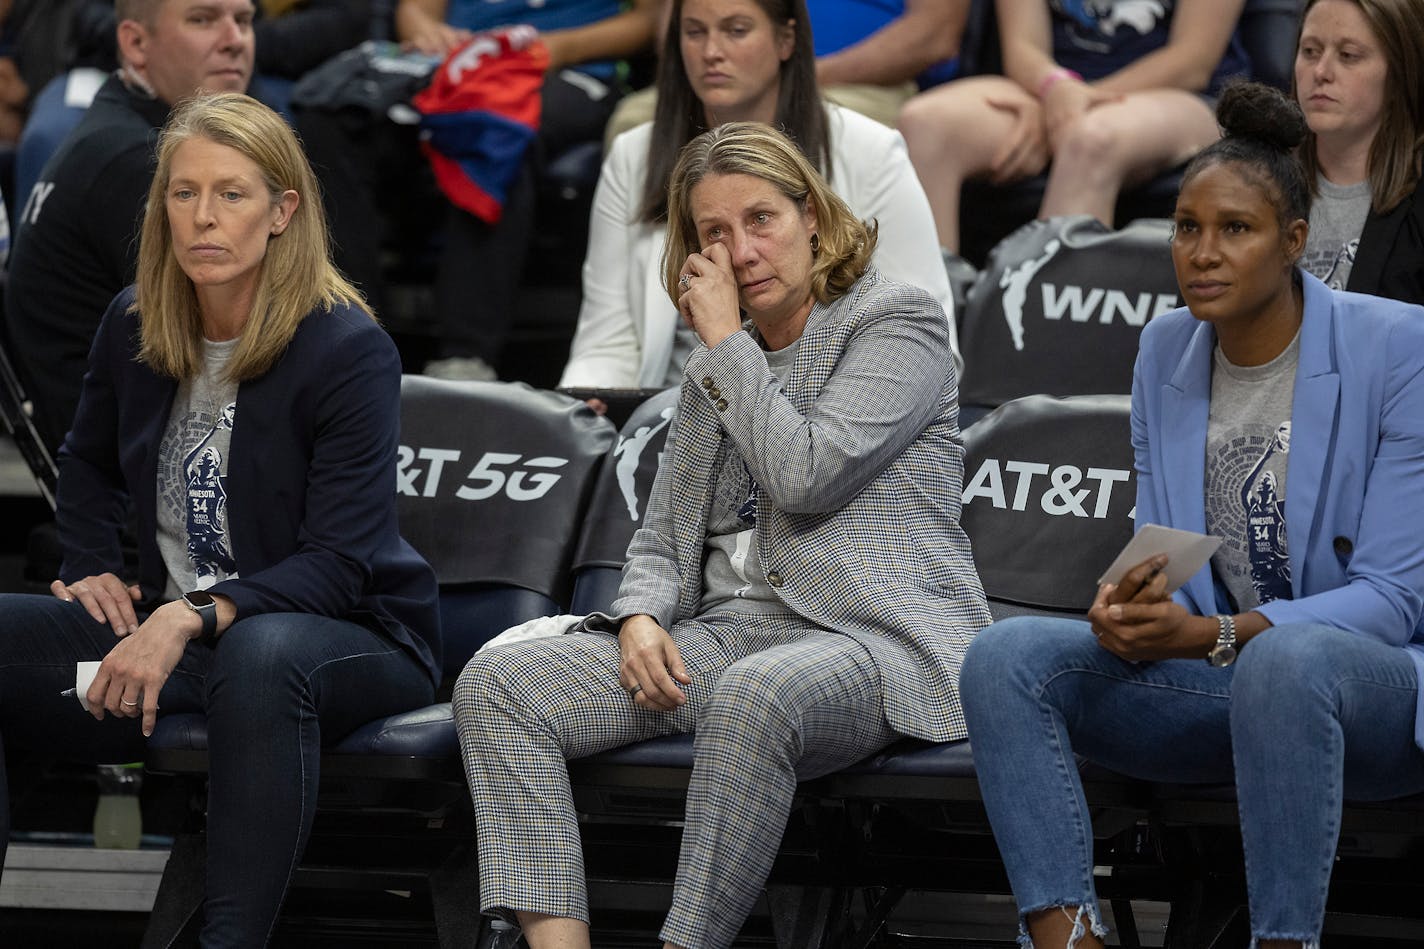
1308 716
274 688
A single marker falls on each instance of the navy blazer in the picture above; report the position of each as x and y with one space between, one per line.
1355 480
311 478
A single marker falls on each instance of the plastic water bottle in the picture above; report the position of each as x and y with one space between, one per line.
118 823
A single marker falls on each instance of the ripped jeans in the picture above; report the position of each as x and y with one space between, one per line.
1308 716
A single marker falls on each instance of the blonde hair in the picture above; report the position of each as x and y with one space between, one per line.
297 276
751 148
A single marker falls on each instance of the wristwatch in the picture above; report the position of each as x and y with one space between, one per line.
1223 653
207 609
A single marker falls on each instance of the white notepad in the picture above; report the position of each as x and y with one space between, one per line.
1186 552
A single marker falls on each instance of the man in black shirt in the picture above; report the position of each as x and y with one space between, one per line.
76 239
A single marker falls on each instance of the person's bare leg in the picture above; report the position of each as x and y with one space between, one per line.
1124 143
1053 927
953 133
553 932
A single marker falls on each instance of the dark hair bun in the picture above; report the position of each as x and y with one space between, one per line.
1252 110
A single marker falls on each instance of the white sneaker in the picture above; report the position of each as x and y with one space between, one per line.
461 368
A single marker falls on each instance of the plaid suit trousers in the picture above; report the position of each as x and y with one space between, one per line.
772 701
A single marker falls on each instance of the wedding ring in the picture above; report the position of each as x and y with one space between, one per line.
128 703
634 691
685 282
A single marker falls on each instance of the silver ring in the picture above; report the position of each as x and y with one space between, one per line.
633 692
685 281
128 703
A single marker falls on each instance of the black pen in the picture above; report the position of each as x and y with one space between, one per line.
71 693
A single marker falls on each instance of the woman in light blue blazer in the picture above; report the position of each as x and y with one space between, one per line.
1289 420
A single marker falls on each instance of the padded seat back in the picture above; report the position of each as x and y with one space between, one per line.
620 500
1268 30
493 479
1059 308
1049 495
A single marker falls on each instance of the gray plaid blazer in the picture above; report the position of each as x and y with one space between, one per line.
860 468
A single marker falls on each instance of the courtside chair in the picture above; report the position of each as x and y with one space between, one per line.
620 502
1059 308
1049 496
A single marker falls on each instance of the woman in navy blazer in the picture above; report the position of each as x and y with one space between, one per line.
242 409
1288 419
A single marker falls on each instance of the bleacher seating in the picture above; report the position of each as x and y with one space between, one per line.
1048 483
989 213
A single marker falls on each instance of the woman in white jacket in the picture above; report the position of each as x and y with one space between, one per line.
723 61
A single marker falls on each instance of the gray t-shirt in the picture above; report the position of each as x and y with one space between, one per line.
193 534
684 341
1247 451
733 576
1337 216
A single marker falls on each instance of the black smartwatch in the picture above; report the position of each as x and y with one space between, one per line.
207 609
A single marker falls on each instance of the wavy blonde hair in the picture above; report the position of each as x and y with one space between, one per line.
297 275
751 148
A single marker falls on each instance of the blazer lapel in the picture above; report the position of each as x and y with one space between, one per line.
802 385
698 438
1186 397
1376 240
1313 420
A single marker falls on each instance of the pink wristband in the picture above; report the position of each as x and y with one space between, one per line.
1053 78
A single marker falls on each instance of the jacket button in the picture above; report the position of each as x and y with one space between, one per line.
1343 547
715 392
721 405
774 578
707 382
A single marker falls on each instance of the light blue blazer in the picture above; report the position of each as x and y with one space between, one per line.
1355 482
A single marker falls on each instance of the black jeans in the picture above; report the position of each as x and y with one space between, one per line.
273 689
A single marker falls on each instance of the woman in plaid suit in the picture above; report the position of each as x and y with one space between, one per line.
801 593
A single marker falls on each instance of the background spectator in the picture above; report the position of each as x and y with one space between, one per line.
480 264
870 54
74 245
1108 93
729 60
1359 78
